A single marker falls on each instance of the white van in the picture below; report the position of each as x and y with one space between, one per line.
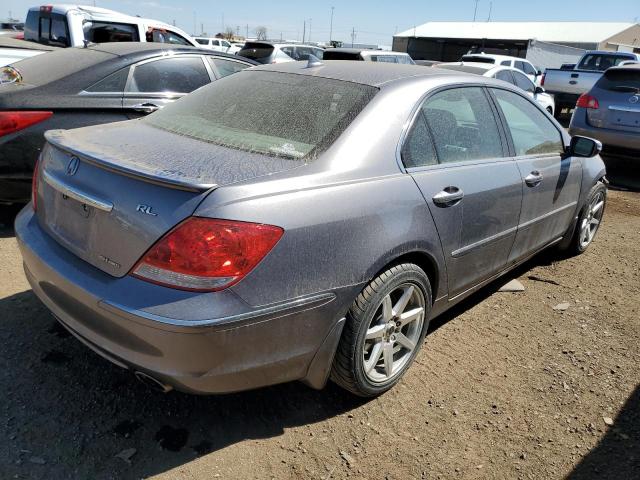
72 25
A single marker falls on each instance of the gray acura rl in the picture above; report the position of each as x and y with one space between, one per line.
299 221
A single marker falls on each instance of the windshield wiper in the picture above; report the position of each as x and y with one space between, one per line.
625 88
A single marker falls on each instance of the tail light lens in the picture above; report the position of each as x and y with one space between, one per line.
11 122
542 79
588 101
34 186
204 254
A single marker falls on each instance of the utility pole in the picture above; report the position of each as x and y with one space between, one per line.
331 26
475 10
353 35
490 8
304 29
247 35
309 36
195 23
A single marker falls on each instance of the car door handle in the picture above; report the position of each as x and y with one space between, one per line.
533 179
145 107
448 197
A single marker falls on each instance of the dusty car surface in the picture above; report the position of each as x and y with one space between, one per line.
295 222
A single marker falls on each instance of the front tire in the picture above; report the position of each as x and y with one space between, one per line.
384 331
589 220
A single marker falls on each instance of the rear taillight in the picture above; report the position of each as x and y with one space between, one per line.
204 254
542 79
11 122
588 101
34 186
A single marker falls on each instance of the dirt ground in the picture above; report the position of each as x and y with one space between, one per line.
505 387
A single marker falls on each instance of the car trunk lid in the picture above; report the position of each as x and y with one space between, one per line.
618 94
108 193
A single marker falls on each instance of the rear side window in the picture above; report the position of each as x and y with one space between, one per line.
113 83
31 26
418 150
106 32
227 67
523 82
504 75
623 80
532 132
383 58
169 75
158 35
202 41
506 63
333 55
463 125
277 114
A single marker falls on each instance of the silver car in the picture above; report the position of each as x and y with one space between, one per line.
299 222
610 111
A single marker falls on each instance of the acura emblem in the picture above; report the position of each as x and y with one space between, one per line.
634 99
72 166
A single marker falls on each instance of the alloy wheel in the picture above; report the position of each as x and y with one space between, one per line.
393 333
591 220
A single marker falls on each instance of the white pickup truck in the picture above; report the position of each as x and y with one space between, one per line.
566 85
73 25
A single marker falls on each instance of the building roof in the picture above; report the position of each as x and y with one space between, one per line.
568 32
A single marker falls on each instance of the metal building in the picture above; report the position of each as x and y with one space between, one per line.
448 41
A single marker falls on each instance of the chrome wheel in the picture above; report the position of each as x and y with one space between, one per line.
591 220
394 333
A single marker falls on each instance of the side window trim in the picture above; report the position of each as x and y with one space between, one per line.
507 131
417 109
128 93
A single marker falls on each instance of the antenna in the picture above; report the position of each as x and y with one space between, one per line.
475 10
490 9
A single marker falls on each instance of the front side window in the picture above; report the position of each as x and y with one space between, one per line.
278 114
523 82
463 125
528 69
202 41
506 63
418 150
158 35
104 32
519 65
227 67
532 132
169 75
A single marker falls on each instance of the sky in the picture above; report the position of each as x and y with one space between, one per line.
373 21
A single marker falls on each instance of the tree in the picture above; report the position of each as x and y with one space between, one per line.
261 33
229 34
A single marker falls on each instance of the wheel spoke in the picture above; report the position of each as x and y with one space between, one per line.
411 315
387 308
596 208
376 352
595 221
375 332
403 340
388 358
401 304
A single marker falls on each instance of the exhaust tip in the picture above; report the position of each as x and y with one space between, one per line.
153 383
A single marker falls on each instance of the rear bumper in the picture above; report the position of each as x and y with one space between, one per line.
609 138
234 348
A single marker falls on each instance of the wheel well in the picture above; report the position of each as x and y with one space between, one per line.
424 261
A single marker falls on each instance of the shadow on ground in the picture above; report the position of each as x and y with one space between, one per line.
67 407
617 455
7 216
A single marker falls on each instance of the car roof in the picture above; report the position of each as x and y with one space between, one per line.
494 56
366 50
367 73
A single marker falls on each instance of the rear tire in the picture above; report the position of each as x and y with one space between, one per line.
589 220
384 331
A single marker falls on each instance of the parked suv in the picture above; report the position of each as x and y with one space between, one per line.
218 44
266 52
610 111
521 64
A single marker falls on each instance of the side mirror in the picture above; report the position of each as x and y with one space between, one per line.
539 90
584 147
538 73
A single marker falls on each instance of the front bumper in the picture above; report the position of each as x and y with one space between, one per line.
148 328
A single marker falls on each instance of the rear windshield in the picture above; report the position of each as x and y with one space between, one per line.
47 28
600 62
477 58
259 52
277 114
332 55
623 80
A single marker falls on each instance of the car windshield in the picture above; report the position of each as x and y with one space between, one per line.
623 80
277 114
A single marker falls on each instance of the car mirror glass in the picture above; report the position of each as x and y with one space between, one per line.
584 147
